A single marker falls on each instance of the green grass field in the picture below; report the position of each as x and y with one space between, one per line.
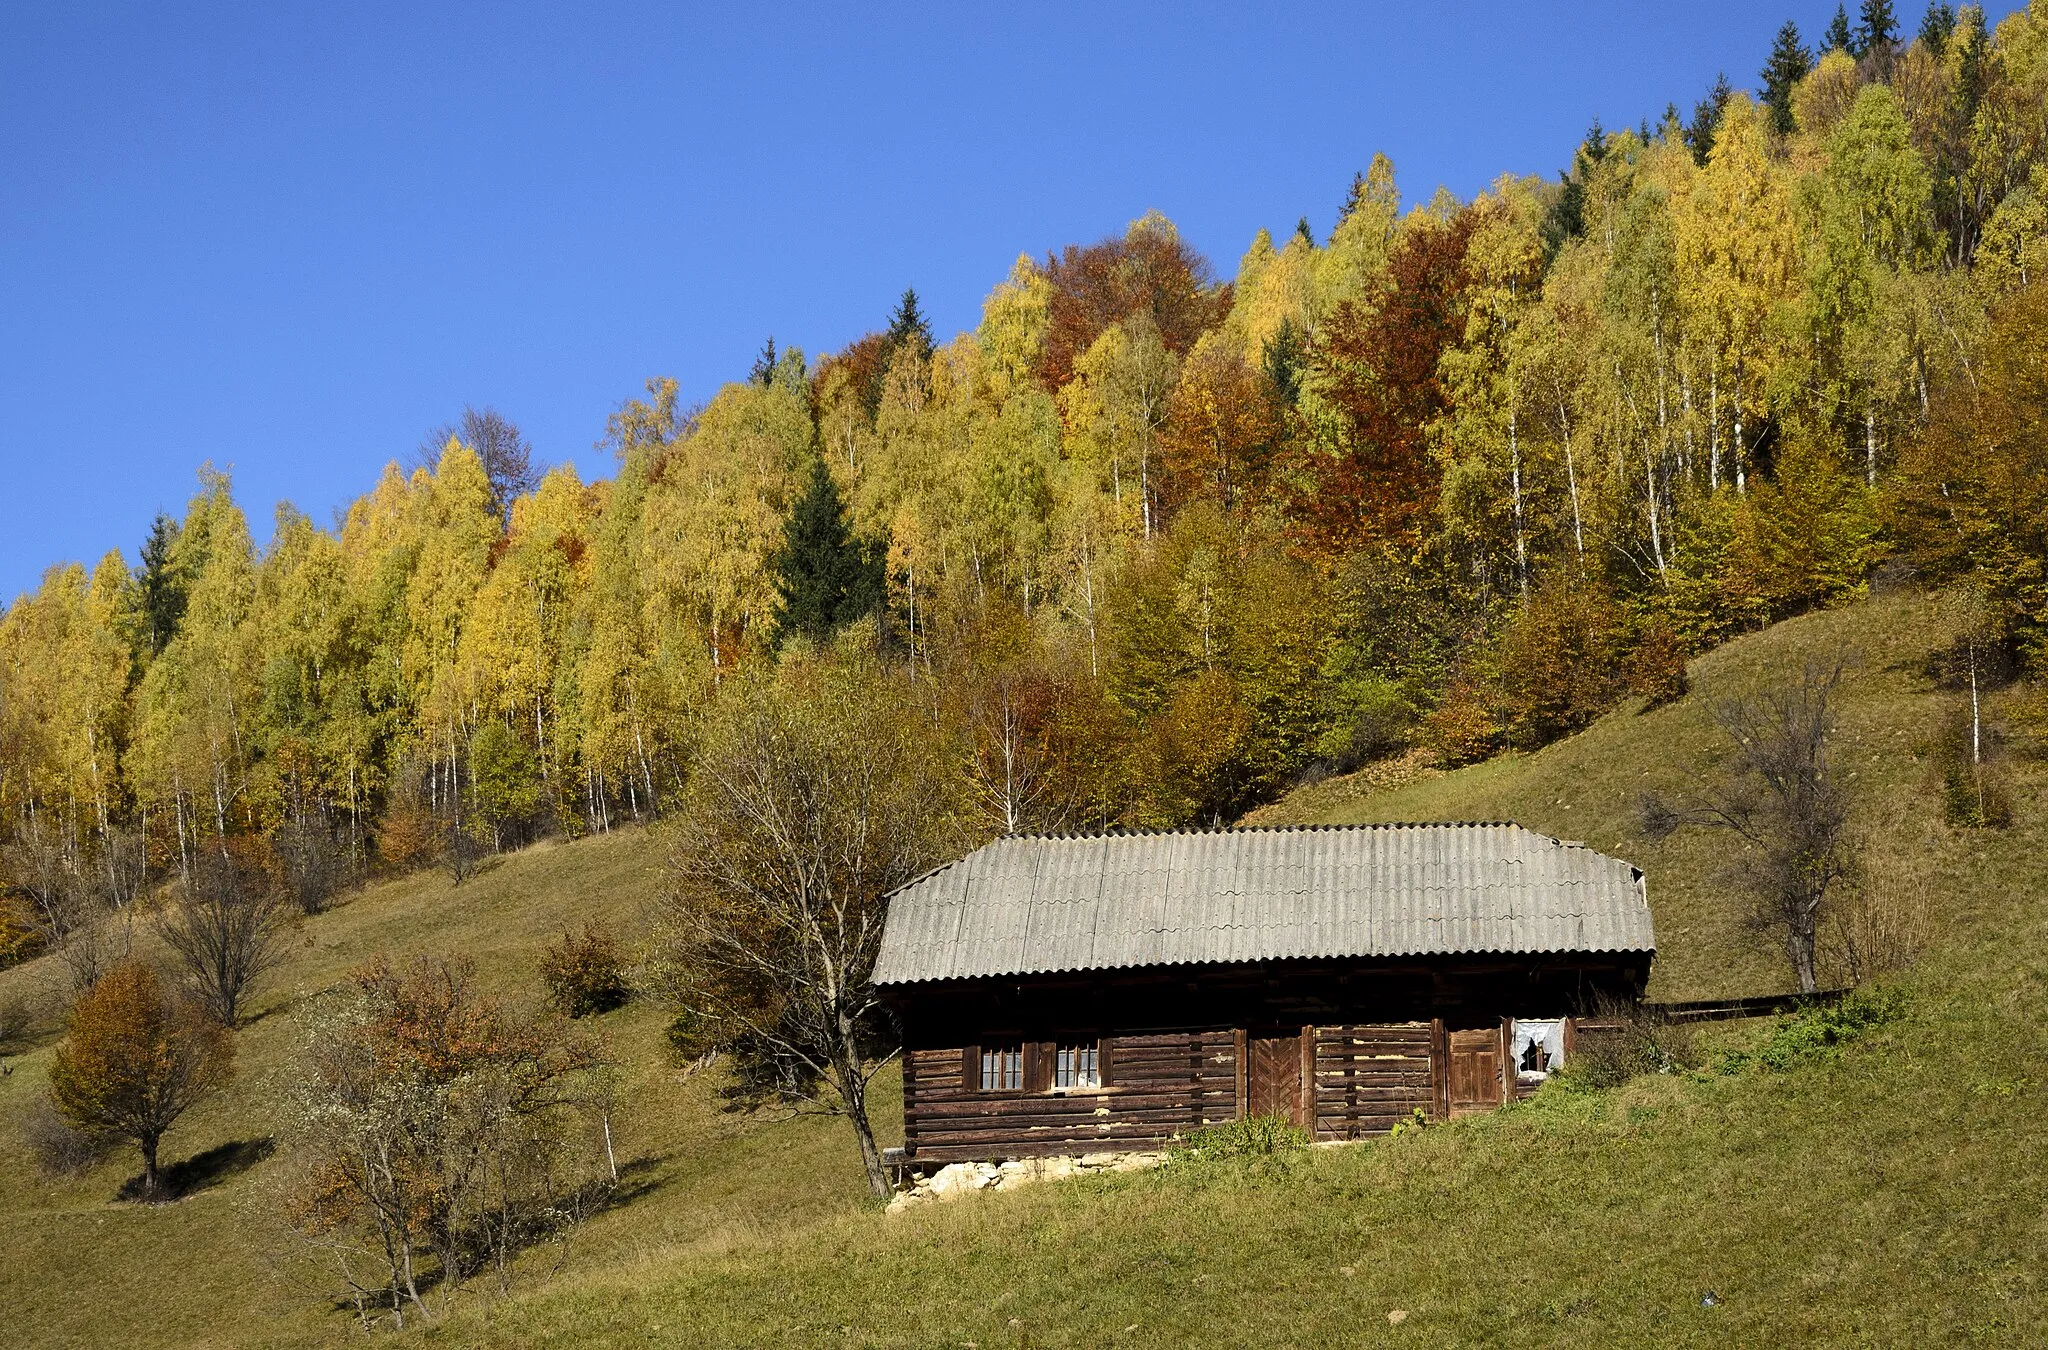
1892 1193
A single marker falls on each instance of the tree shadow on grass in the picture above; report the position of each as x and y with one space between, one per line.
202 1170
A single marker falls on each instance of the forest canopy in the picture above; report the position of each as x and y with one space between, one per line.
1147 546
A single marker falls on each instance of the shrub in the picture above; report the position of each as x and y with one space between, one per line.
1253 1137
60 1148
408 838
1976 792
1463 728
1820 1031
1621 1038
438 1134
1656 668
1874 930
1557 663
586 975
311 864
20 936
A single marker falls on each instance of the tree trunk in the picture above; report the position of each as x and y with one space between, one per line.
149 1179
1799 946
853 1094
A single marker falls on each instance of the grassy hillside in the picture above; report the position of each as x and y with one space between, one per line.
1892 1192
84 1271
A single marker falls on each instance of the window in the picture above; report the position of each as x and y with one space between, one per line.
1002 1070
1538 1048
1077 1066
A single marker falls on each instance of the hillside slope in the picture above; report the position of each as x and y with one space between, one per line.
1893 1192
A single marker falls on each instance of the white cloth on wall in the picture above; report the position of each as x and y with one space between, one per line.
1549 1034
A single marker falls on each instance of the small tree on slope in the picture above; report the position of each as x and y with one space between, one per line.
1786 805
136 1060
813 801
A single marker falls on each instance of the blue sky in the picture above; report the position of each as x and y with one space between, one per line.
288 239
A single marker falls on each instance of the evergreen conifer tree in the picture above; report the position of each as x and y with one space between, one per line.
1879 29
1789 64
160 585
1301 228
824 576
1936 26
1840 38
763 372
1706 119
908 324
1970 61
1353 197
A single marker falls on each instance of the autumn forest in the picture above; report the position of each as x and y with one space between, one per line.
1150 544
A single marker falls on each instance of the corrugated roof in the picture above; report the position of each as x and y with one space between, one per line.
1041 903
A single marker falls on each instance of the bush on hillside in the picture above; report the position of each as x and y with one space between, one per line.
1878 928
586 975
1656 668
1558 667
1619 1039
61 1149
1252 1137
1463 728
1819 1031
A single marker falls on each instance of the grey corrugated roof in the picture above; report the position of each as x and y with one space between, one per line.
1036 903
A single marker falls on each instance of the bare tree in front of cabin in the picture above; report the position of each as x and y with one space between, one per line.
814 799
1787 805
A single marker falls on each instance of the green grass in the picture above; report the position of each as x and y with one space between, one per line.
1869 1179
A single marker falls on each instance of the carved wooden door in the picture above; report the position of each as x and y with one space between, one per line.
1273 1077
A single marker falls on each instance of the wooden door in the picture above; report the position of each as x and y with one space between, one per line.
1273 1079
1475 1071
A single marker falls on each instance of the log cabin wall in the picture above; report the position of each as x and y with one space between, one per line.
1173 1044
1371 1078
1156 1086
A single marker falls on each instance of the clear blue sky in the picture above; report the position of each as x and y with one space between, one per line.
289 238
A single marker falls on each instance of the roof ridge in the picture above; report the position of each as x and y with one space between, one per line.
1309 827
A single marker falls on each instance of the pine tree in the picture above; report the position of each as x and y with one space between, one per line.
160 584
1789 64
763 372
908 324
1879 30
1706 119
1936 26
824 576
1840 38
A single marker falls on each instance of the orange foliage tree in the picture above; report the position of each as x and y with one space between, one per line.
136 1060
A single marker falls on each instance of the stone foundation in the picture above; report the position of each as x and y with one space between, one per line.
963 1178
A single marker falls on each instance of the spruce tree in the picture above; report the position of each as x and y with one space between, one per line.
1879 30
1352 198
824 576
160 584
1971 61
763 372
908 324
1706 119
1936 26
1302 230
1789 64
1839 38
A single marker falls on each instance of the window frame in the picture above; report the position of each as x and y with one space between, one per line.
1035 1069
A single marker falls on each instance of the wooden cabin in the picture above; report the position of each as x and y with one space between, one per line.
1079 994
